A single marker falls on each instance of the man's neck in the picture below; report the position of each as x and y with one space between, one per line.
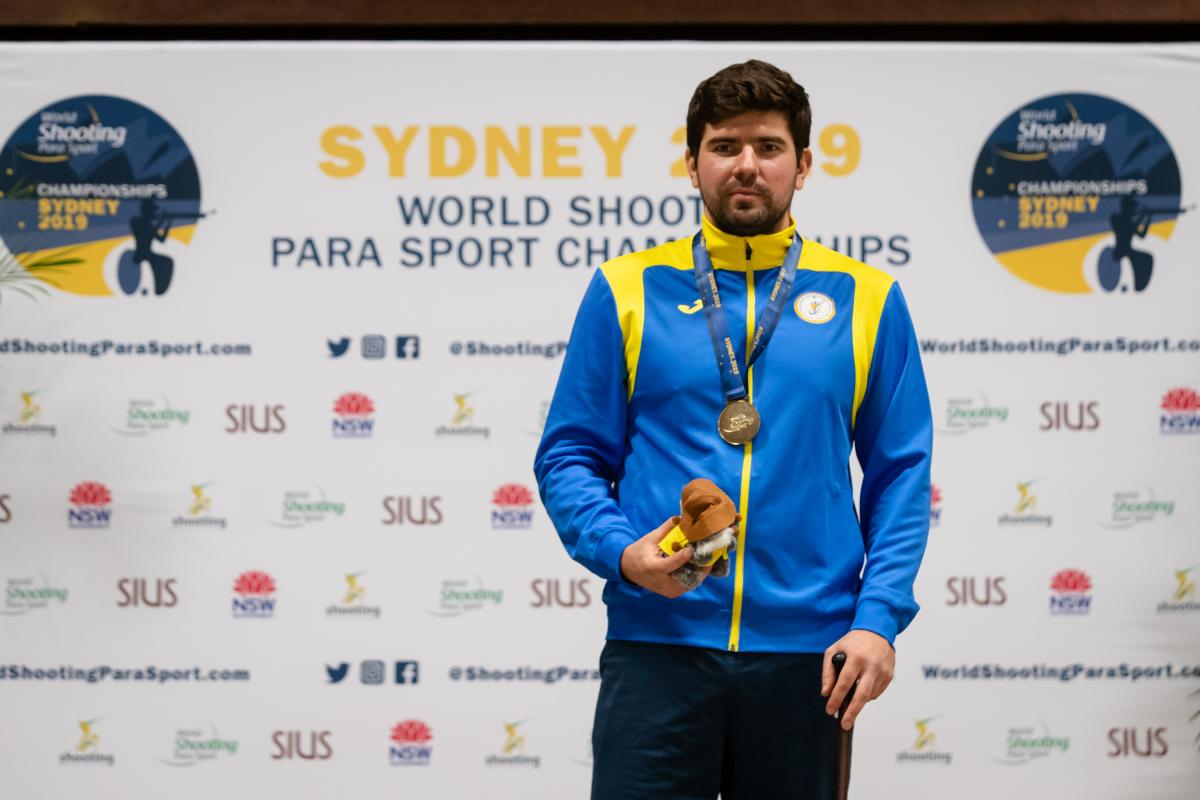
761 251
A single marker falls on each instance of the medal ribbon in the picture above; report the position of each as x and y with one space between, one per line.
733 383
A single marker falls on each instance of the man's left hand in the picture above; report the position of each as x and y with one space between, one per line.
870 660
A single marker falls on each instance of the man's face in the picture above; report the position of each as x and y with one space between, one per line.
747 171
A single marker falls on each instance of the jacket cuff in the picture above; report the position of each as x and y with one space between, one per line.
608 555
877 617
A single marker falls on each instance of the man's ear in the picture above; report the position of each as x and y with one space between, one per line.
803 167
690 161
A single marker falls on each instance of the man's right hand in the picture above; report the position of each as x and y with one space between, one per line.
646 565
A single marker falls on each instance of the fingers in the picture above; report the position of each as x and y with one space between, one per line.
864 693
660 533
842 687
674 562
827 673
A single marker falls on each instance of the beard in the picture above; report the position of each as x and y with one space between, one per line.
738 217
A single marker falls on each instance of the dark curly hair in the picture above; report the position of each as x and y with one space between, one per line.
751 86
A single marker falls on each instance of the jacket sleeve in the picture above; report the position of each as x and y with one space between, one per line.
893 436
579 458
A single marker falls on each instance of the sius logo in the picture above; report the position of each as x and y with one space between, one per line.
304 745
970 591
255 592
1180 411
1081 416
353 416
135 592
400 510
247 418
410 744
91 503
1126 742
513 507
550 593
1070 592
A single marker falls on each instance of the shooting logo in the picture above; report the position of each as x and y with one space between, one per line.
1078 193
98 196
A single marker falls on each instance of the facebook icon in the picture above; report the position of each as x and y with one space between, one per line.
407 672
408 347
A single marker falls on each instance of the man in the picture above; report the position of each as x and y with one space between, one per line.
729 687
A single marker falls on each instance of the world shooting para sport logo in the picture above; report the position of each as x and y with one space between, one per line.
98 196
1078 193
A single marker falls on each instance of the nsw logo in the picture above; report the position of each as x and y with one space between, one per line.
353 416
91 506
410 744
254 595
512 507
1180 412
1071 592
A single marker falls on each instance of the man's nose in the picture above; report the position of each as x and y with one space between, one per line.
746 163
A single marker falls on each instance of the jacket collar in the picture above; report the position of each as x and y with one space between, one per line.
746 252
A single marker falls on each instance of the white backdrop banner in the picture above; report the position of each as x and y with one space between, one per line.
283 327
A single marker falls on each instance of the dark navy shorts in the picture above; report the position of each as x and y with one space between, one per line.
689 723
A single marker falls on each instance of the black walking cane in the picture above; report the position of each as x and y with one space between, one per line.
844 737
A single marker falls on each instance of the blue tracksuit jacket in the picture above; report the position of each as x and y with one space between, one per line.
634 418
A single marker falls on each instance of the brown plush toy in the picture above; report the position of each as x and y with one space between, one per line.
708 522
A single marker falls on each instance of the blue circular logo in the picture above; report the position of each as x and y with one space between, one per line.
98 195
1075 193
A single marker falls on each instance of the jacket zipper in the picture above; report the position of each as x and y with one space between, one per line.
744 498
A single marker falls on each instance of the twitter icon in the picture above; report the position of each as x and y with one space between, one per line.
337 674
338 349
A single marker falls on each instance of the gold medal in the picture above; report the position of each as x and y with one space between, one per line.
739 422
